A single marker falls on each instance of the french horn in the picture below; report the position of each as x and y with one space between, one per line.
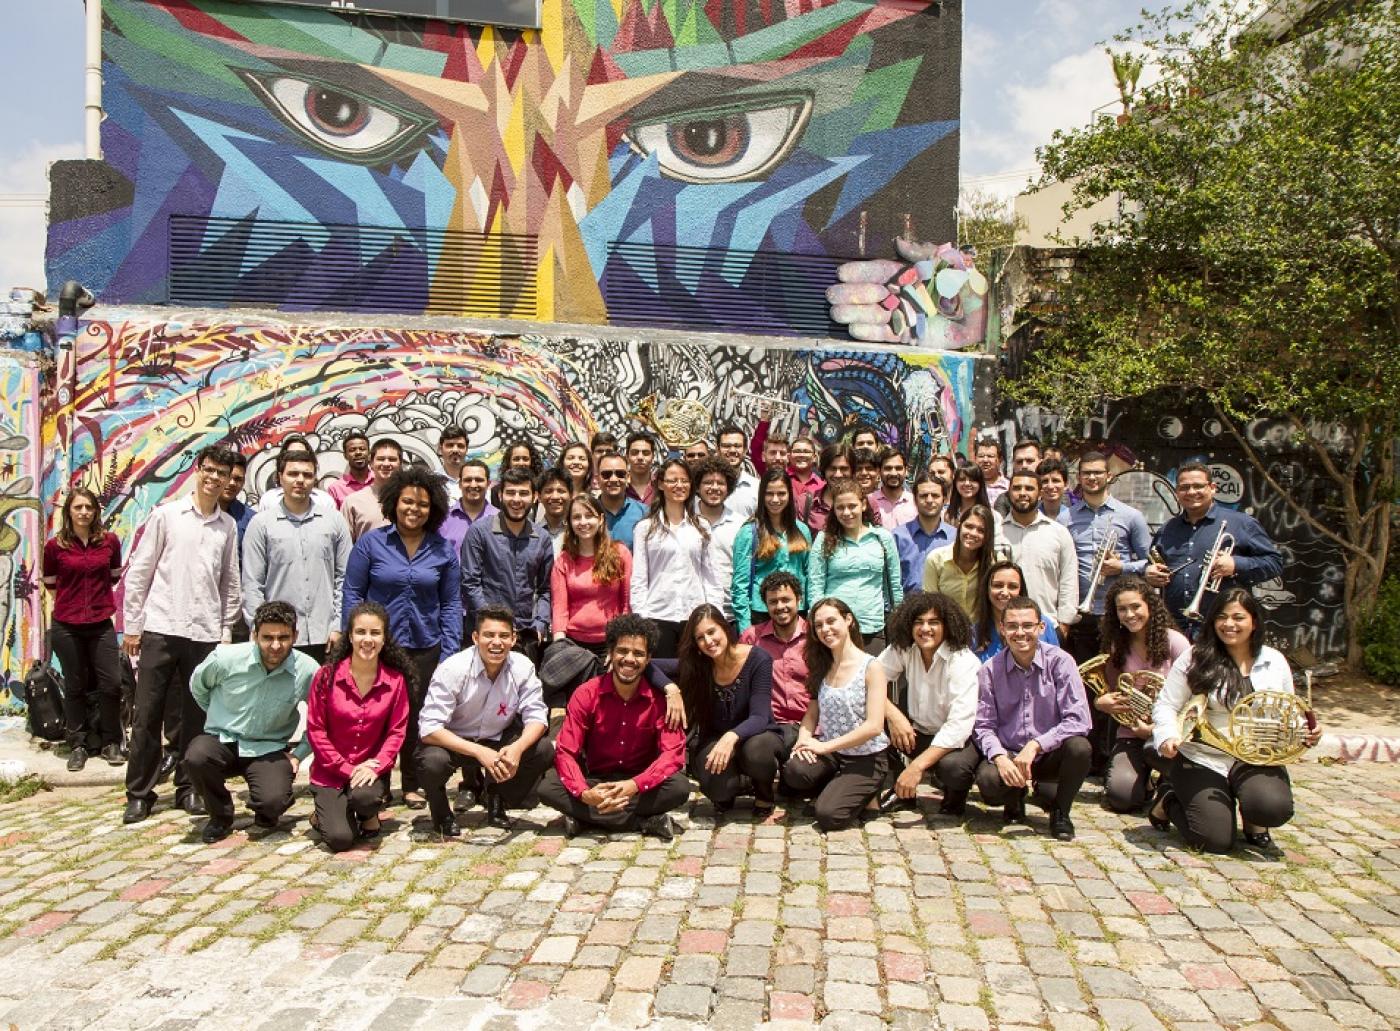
1266 728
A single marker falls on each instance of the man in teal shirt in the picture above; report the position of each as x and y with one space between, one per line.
250 693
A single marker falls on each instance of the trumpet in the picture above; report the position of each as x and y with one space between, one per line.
1224 545
1101 554
1266 728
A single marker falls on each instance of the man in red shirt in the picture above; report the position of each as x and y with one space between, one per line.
616 763
783 637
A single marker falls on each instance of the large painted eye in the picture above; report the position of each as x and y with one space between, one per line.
340 121
722 145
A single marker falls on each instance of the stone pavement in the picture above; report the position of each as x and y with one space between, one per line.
919 921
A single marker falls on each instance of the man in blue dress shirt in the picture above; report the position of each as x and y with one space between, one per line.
916 538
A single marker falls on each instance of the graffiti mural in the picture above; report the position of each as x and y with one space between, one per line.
150 389
640 162
21 525
1148 441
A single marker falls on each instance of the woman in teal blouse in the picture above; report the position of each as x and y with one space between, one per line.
856 560
773 540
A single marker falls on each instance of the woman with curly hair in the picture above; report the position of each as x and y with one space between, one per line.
410 569
855 559
929 647
1137 634
592 578
356 721
773 540
552 512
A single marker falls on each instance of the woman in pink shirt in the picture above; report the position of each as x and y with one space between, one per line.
591 578
356 718
1137 634
81 563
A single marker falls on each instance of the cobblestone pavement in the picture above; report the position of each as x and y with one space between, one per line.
918 921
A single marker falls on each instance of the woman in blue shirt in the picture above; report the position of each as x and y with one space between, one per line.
1002 582
773 540
856 560
411 569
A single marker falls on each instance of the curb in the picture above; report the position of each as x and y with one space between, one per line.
1354 748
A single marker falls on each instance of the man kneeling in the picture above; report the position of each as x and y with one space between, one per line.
1032 721
616 763
484 711
250 693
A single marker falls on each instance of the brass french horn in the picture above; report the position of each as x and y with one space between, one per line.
1266 728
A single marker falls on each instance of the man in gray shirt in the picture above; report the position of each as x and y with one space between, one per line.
296 552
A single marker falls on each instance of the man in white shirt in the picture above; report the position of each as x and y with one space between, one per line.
484 711
931 647
714 484
1044 550
362 510
733 445
182 598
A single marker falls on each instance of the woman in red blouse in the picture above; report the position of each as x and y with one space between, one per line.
82 562
356 718
591 579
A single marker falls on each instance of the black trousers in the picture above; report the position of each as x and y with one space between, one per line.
1203 802
756 758
668 638
436 765
339 811
1065 767
874 643
425 662
316 652
210 763
1130 767
91 679
167 663
843 784
1083 644
954 772
671 793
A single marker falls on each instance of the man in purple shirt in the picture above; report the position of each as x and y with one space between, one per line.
474 482
1032 721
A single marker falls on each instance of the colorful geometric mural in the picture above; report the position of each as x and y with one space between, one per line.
21 522
630 160
150 389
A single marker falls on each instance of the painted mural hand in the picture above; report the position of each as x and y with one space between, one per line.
934 297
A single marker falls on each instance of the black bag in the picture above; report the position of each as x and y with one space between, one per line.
128 703
564 667
43 697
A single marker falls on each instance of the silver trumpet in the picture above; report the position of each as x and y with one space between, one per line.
1224 545
1106 548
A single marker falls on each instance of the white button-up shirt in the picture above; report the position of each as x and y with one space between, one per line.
719 579
464 700
182 579
1045 552
1270 672
942 697
671 570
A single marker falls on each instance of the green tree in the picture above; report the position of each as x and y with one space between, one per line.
1257 264
986 221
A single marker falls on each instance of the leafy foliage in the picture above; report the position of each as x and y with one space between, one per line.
1380 635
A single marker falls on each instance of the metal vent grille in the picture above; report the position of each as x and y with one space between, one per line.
306 266
733 291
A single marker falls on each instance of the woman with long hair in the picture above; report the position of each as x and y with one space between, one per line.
1228 661
521 455
773 540
840 749
552 512
592 578
410 569
356 722
855 559
969 491
670 558
1138 636
835 464
1002 582
728 692
577 462
82 563
960 568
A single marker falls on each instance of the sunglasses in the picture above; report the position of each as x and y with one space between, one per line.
613 474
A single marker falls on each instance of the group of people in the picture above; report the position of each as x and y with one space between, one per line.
830 625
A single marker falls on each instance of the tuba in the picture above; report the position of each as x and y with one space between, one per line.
1266 728
1105 549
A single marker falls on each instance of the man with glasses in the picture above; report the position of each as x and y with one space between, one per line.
1186 539
620 513
732 443
182 598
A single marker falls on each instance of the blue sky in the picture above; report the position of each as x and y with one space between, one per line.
1029 67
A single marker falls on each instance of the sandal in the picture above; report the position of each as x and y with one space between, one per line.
1163 797
1260 838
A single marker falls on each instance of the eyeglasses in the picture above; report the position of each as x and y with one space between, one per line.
214 472
613 474
1192 488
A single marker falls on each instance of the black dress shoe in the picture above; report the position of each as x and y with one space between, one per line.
496 814
571 827
954 804
167 767
192 804
1260 838
265 823
447 827
112 755
1014 811
136 810
890 802
659 826
1061 828
216 830
77 759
